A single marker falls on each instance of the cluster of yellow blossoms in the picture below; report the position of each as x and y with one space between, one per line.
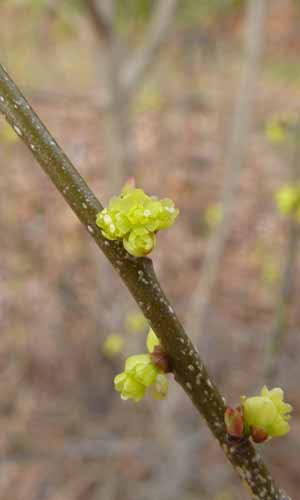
135 218
260 417
288 200
141 373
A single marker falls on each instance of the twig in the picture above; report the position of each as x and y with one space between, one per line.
139 277
117 121
158 30
101 20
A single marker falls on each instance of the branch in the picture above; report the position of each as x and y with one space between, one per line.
139 277
158 31
101 20
234 162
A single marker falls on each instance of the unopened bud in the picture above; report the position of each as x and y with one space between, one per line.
234 422
258 435
161 359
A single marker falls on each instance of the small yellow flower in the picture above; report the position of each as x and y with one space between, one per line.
276 132
283 129
288 200
129 387
267 412
142 373
213 215
136 322
113 344
142 368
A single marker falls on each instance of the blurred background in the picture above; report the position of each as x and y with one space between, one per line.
199 101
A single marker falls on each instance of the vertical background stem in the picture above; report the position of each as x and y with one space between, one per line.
234 161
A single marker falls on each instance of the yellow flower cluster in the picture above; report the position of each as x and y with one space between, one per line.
288 200
283 129
141 374
268 412
260 417
135 218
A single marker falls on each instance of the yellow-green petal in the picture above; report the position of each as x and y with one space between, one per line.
139 242
129 387
119 381
135 217
268 412
152 340
259 412
159 390
135 360
279 427
146 374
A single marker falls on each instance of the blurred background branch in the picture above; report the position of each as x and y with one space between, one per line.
156 36
124 73
233 163
289 270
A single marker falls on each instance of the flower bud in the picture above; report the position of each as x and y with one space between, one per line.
161 359
267 412
234 422
258 435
